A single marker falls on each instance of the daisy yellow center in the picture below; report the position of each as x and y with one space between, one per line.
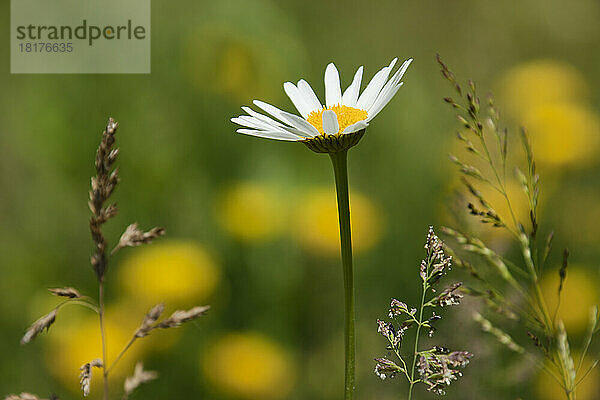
346 116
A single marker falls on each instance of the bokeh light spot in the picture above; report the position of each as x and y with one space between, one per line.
316 225
178 273
249 366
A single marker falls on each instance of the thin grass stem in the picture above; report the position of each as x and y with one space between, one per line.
121 354
418 333
103 334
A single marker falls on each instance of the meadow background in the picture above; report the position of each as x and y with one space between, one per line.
251 224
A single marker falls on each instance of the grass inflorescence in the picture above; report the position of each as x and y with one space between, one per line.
103 185
437 366
510 290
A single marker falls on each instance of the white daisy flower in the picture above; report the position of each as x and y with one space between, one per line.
343 113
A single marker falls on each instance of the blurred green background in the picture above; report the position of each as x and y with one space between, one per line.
251 223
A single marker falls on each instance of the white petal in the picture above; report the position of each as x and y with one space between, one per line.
295 121
330 122
394 61
309 96
248 122
302 125
333 92
297 98
368 96
277 135
404 67
394 80
255 123
397 77
357 126
270 123
388 91
382 101
262 117
351 94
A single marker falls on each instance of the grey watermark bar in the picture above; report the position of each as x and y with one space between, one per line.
80 36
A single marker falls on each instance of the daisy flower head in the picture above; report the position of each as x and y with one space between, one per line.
335 126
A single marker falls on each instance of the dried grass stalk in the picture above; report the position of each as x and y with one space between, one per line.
69 292
149 319
38 326
103 185
85 378
134 236
23 396
180 316
139 377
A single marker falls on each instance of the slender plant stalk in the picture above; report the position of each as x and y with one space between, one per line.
103 334
122 353
79 303
340 169
418 333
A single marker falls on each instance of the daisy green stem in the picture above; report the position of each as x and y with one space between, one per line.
340 169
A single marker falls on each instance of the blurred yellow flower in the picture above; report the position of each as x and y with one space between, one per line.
249 366
76 340
539 83
178 273
251 211
221 56
549 98
234 68
579 294
317 229
563 134
581 205
548 389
